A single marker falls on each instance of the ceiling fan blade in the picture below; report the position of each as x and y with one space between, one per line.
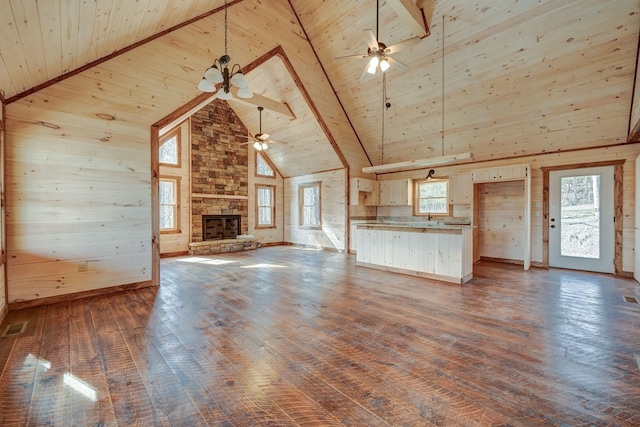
396 63
396 47
352 56
276 141
372 41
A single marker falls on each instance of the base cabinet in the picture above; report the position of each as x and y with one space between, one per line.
439 254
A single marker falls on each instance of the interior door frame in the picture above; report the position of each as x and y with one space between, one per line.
617 208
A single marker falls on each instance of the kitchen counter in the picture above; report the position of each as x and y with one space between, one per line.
413 226
426 249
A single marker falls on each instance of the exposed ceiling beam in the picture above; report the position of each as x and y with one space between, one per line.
413 16
420 163
263 101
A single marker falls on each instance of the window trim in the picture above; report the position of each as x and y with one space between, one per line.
273 207
267 161
416 198
178 134
301 188
176 180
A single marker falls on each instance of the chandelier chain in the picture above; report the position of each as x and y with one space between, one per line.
225 27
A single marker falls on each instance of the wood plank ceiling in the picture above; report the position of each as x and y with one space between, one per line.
500 79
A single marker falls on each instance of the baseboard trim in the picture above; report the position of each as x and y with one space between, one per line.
502 260
174 254
18 305
264 245
4 312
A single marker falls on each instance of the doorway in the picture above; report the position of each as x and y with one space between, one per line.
581 219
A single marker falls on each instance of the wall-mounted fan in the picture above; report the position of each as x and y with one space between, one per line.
378 52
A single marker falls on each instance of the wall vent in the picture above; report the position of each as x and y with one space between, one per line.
14 329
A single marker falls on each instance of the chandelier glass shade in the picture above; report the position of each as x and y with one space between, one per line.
221 73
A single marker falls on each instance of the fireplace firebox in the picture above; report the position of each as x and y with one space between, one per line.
219 227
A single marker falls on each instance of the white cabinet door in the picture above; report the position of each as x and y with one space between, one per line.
396 192
460 188
501 173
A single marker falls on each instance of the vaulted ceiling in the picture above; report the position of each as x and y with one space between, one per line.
499 79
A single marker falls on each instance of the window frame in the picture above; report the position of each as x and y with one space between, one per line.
416 197
169 135
176 204
267 161
272 188
301 205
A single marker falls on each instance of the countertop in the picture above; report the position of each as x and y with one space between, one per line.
413 226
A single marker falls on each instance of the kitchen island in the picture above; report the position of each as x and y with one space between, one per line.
434 250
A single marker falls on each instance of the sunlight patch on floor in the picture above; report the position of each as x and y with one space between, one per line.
265 266
202 260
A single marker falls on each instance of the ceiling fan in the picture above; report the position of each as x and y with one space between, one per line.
261 139
378 52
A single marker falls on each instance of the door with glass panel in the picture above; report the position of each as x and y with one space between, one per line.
581 219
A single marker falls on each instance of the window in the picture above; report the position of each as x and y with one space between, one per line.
432 197
265 206
309 200
264 167
169 150
169 208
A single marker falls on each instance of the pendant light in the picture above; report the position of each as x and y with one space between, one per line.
219 73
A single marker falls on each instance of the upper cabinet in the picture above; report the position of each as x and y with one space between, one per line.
396 192
460 189
502 173
364 191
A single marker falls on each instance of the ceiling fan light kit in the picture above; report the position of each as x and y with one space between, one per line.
378 52
260 146
219 73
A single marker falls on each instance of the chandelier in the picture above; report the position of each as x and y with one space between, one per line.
219 73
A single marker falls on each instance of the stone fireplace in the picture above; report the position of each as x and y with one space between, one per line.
219 181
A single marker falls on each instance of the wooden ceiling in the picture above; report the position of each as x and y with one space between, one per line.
497 78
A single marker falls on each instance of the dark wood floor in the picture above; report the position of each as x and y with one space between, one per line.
284 337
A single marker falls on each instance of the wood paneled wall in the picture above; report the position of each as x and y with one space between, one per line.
265 235
78 152
628 152
501 220
178 242
333 234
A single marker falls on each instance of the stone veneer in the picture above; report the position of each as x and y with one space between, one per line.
219 166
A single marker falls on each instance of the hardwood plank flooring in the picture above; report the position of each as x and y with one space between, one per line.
283 336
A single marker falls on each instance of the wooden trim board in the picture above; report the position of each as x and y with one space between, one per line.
18 305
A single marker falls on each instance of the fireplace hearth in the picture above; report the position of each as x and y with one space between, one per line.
220 227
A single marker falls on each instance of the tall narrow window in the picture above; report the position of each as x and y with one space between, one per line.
264 167
432 197
169 150
265 206
309 200
169 209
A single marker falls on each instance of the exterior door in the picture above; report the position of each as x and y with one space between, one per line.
581 219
